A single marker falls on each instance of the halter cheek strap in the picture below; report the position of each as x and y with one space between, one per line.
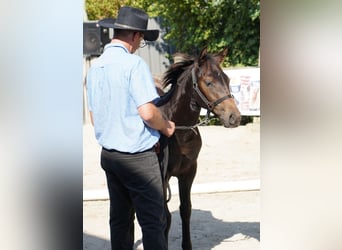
210 105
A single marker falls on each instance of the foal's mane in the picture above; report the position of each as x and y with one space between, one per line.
177 76
183 61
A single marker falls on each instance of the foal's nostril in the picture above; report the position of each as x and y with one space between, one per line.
232 119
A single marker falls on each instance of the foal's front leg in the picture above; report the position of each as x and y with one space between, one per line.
167 211
184 183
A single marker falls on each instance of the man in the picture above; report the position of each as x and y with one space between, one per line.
128 125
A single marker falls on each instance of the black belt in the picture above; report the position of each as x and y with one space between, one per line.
117 151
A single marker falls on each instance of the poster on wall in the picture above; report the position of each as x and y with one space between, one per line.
245 86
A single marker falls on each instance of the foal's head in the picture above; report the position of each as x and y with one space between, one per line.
213 84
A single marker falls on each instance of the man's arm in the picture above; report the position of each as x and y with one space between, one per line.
154 119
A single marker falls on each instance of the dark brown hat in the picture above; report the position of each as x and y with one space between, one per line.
130 18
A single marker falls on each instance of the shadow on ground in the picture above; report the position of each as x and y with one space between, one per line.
206 232
91 242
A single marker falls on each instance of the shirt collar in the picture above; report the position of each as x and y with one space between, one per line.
118 45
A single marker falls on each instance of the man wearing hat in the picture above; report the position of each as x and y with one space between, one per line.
127 125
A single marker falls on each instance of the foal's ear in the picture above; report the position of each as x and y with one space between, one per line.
221 55
203 55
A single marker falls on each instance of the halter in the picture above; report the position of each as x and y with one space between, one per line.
210 105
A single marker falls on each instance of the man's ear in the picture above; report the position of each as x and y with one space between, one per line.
133 36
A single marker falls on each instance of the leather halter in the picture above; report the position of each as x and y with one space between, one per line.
210 105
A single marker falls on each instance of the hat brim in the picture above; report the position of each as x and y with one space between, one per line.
149 35
107 22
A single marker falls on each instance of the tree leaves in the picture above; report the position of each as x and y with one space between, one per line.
193 24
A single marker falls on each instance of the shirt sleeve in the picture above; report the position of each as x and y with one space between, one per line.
142 87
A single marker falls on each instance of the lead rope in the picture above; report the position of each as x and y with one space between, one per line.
193 127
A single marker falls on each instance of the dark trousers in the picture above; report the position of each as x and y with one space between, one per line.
135 186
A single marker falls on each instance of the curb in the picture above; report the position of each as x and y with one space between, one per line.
206 188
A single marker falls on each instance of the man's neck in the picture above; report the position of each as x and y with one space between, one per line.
127 45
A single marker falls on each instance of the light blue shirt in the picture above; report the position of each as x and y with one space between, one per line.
117 84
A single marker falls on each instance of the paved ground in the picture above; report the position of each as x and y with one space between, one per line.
220 220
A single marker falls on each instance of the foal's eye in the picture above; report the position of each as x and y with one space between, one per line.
208 83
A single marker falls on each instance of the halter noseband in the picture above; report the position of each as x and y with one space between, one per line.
210 105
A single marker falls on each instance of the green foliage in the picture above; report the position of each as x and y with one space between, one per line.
99 9
216 24
193 24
